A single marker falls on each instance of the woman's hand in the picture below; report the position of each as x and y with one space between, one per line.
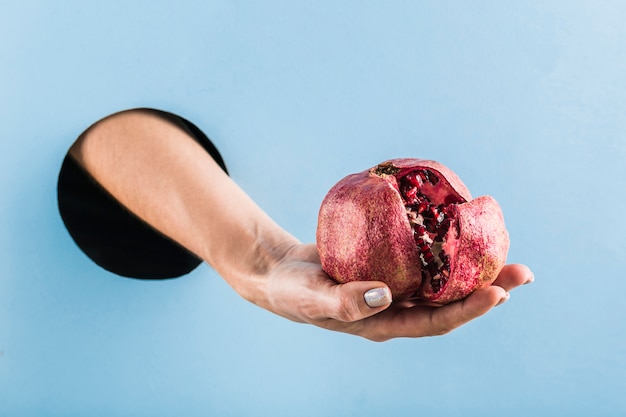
298 289
158 172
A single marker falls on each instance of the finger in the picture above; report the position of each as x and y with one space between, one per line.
451 316
354 301
513 276
421 321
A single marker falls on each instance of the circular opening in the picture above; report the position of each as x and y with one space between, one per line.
112 236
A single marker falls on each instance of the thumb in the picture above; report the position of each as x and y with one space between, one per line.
357 300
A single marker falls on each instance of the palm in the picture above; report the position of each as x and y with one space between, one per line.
303 282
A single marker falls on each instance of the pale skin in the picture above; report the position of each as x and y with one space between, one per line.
166 178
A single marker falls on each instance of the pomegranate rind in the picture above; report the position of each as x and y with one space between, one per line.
453 183
479 254
363 234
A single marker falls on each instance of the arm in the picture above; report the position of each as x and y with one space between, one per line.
162 175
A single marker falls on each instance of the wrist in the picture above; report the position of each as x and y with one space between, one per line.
266 258
247 260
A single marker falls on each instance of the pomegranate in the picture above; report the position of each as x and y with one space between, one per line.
412 224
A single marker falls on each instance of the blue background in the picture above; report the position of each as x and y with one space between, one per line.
526 101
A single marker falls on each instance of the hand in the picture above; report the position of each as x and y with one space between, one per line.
163 176
298 289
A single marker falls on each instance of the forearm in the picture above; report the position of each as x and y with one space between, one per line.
166 178
157 171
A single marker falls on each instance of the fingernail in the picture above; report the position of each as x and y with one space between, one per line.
531 279
378 297
504 299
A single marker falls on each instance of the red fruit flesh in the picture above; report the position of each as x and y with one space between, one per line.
412 224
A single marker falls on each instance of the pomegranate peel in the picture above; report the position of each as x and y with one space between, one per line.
412 224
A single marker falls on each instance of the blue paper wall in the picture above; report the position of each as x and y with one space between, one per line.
524 100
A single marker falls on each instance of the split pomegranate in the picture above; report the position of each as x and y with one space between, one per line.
412 224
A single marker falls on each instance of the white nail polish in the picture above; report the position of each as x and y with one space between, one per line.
377 297
504 299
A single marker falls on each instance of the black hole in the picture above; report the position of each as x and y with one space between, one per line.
112 236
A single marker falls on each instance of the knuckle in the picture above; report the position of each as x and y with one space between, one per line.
378 338
347 309
439 327
441 332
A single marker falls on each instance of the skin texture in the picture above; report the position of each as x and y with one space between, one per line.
162 175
